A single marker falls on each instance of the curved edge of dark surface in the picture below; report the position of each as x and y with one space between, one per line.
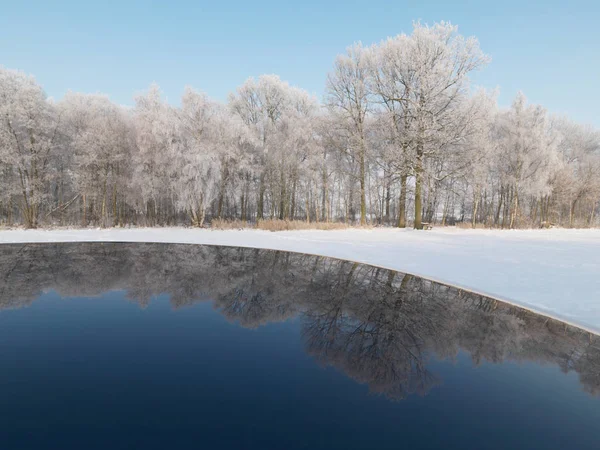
515 303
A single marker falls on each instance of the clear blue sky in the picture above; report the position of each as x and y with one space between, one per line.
549 49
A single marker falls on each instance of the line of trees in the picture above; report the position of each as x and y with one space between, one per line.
401 138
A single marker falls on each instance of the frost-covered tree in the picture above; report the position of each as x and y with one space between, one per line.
401 136
425 79
279 118
261 105
527 154
580 150
194 157
156 133
30 135
102 141
349 100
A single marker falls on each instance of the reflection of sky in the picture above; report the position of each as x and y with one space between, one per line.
105 370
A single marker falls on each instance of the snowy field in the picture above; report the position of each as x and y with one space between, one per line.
556 272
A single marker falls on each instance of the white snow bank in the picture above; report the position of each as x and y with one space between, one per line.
556 272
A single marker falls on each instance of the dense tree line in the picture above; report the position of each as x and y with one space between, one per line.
401 137
380 327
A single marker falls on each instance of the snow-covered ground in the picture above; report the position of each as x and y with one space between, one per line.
556 272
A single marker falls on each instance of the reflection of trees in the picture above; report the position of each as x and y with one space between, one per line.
379 327
368 326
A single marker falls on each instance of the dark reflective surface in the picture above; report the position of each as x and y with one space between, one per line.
176 346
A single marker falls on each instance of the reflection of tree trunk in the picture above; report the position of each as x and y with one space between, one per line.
276 256
314 269
390 279
351 274
405 281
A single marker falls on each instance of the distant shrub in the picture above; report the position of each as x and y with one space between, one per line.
279 225
469 225
226 224
284 225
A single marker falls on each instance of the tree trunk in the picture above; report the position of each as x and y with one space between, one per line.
363 197
242 207
10 212
103 209
308 204
418 188
261 198
594 205
402 203
114 205
84 219
220 200
325 199
350 206
507 202
388 197
500 200
197 213
476 200
282 199
293 199
572 213
513 216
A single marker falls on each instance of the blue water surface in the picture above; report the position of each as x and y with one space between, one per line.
245 369
103 373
